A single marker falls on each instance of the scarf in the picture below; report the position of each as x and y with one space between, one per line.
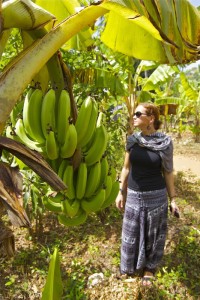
158 142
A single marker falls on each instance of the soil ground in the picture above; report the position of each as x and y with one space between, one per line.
187 156
187 164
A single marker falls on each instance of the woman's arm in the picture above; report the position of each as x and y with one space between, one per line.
121 198
169 179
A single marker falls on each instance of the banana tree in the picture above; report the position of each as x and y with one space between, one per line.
161 86
171 89
162 83
191 94
163 31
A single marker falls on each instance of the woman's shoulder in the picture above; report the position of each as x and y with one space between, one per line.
163 135
131 140
134 135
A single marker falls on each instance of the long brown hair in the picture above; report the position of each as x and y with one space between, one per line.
152 109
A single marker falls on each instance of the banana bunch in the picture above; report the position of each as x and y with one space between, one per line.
47 127
46 124
90 189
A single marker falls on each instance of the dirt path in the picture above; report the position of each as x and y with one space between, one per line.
185 163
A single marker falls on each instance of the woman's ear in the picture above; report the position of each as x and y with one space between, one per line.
152 119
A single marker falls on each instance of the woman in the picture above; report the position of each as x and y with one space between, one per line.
146 181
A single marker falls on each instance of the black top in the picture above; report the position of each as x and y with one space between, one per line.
146 170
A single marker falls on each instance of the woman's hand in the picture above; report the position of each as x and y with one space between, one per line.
120 202
174 209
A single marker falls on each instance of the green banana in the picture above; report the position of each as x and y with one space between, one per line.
108 185
16 111
62 167
81 180
79 219
20 131
92 124
104 169
52 148
34 116
10 133
25 111
58 198
83 120
113 195
93 179
64 110
52 205
99 144
94 203
70 144
48 112
70 207
68 179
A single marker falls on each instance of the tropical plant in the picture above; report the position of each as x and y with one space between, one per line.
160 29
40 62
191 94
176 94
53 288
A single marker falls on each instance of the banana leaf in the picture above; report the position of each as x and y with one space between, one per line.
170 100
33 160
24 15
189 91
165 31
53 288
63 9
159 76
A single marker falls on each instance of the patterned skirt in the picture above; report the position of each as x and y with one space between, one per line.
144 230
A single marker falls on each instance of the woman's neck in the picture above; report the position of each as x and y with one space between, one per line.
148 132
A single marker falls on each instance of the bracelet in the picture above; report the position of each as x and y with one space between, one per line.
122 191
172 198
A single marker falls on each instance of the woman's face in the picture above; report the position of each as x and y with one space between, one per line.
141 119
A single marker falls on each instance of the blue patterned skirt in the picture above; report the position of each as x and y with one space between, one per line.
144 230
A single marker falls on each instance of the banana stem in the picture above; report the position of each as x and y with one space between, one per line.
77 157
53 64
68 86
55 73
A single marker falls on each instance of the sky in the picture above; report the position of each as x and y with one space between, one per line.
195 2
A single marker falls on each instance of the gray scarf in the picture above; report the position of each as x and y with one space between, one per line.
158 142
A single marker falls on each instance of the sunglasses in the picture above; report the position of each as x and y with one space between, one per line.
139 114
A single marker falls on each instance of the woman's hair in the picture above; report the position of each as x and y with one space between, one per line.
152 109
